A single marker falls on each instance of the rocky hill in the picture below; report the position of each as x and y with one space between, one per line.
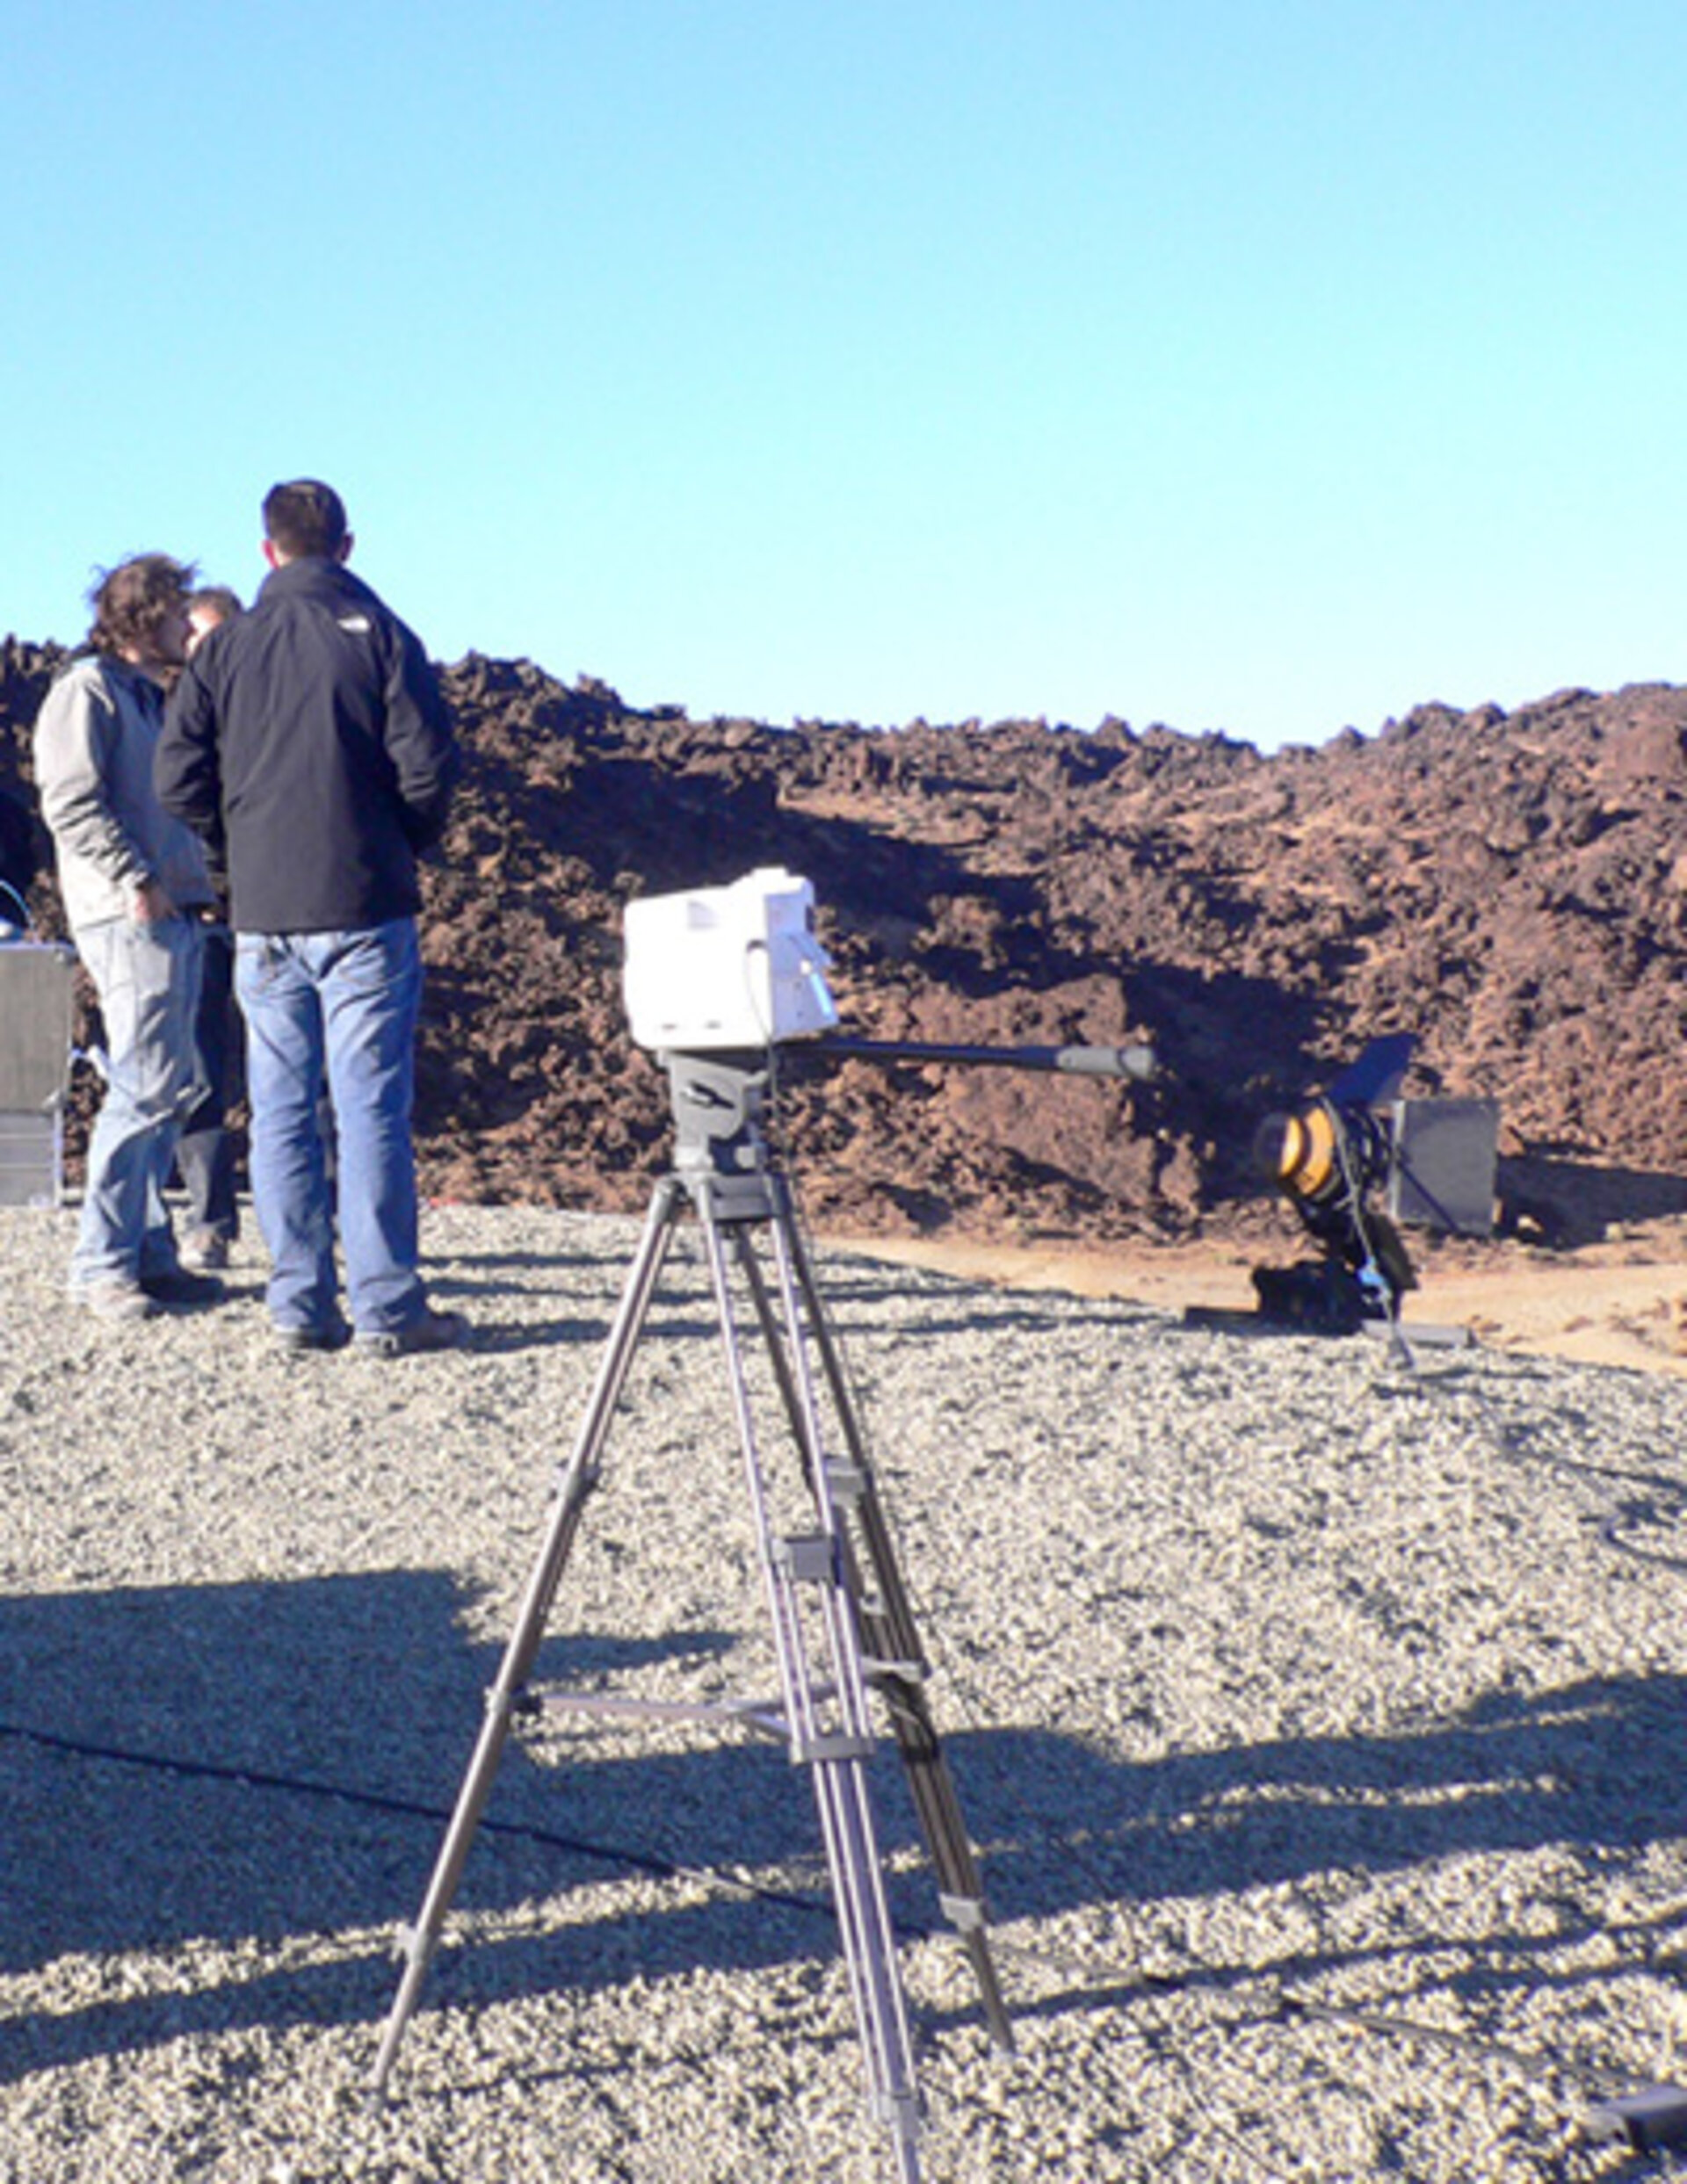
1510 887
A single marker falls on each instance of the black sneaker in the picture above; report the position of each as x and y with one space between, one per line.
433 1331
179 1287
335 1335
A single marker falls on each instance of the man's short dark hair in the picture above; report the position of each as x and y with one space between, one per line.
218 599
305 517
132 602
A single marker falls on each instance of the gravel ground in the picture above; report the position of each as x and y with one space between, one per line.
1318 1716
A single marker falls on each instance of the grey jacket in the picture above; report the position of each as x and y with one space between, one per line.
94 741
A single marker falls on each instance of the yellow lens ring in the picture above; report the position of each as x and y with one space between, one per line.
1306 1166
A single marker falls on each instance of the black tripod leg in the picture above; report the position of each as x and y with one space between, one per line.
575 1482
897 1665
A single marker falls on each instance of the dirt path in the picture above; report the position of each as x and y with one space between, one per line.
1623 1302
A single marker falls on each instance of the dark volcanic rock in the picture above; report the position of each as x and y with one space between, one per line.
1510 887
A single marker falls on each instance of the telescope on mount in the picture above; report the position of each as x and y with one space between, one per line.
740 969
1431 1162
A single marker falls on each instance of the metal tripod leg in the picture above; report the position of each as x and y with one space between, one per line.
574 1485
895 1662
834 1742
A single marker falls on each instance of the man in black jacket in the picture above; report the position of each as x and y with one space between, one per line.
308 742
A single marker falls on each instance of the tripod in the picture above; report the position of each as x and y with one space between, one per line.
833 1591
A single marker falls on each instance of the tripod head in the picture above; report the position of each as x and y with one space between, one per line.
721 1149
721 1155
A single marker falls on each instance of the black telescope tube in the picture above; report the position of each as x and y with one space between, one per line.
1135 1062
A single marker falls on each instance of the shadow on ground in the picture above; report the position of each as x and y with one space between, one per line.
255 1763
1566 1203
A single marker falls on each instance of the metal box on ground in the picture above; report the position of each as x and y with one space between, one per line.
31 1159
1446 1156
37 986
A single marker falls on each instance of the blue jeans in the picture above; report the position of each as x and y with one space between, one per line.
205 1150
148 980
342 1007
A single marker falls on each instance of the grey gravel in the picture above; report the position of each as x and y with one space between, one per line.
1319 1717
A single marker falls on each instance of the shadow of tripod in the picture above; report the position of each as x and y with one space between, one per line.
840 1614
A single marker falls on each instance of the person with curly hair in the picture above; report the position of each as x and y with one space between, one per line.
134 887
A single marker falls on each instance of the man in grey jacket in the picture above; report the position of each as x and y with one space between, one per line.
134 887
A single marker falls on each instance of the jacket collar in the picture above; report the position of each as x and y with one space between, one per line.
314 576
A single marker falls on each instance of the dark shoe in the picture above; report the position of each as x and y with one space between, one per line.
433 1331
115 1298
335 1335
205 1252
179 1287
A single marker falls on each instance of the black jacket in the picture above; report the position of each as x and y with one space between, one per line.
309 744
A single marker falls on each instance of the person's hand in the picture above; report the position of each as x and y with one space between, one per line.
152 903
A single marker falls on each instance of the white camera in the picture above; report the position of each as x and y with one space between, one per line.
732 968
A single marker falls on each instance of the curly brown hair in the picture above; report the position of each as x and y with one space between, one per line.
132 602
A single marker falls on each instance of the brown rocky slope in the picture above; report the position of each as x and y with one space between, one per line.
1510 887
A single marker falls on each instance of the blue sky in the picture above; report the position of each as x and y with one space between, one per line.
1263 366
